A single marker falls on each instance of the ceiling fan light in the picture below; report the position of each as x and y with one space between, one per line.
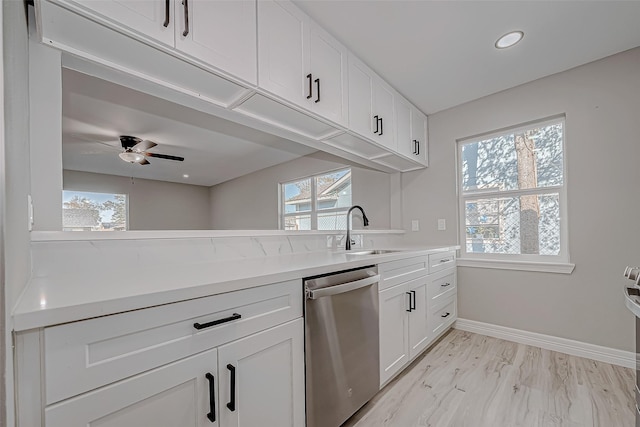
509 39
131 157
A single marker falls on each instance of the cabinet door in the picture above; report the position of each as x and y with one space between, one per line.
383 109
418 318
221 33
419 136
403 127
174 395
281 53
147 17
360 98
394 348
262 378
328 69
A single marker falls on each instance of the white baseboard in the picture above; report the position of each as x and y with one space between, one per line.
548 342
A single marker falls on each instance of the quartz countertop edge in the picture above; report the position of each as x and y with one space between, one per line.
53 300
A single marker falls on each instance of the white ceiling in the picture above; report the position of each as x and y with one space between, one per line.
215 150
440 54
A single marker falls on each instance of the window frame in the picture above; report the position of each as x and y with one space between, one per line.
314 211
532 262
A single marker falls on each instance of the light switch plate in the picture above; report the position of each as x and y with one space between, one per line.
442 224
415 225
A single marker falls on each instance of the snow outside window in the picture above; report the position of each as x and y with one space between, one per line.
513 195
318 202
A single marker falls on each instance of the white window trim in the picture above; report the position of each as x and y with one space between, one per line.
314 200
543 263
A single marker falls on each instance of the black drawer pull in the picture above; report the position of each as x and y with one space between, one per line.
445 315
231 318
232 389
212 398
310 78
317 89
414 300
166 14
445 285
410 305
377 124
185 3
381 132
445 260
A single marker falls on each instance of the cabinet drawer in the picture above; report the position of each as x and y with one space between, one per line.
441 261
395 272
443 316
84 355
442 285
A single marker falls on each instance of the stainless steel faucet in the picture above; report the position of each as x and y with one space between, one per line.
365 220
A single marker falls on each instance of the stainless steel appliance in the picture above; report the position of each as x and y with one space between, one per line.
632 294
341 344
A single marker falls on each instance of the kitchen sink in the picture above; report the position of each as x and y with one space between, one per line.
373 252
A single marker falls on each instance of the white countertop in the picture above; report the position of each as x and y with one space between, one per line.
65 298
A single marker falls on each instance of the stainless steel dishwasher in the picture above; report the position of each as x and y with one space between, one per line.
341 344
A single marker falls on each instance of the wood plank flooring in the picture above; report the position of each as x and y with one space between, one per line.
473 380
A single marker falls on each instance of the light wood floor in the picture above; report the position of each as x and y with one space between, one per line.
472 380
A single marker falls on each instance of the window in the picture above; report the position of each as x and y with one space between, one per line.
512 194
318 202
83 211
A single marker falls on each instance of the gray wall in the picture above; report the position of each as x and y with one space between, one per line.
251 201
17 260
601 101
153 205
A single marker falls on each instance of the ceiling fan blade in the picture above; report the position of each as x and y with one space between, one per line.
144 145
144 162
164 156
99 139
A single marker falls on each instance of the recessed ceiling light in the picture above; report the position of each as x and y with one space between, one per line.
509 39
185 175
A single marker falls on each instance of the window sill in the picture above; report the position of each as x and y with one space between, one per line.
546 267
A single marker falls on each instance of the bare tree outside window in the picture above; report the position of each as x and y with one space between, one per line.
512 191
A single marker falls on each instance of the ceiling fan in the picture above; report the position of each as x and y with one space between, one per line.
136 151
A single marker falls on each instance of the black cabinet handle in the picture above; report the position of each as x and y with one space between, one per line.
212 398
445 315
416 147
232 389
445 285
410 309
381 132
166 13
377 124
310 78
414 300
185 3
317 89
231 318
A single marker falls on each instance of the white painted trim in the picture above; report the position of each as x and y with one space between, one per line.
546 267
548 342
48 236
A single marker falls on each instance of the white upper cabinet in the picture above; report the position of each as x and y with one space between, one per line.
221 33
300 62
152 18
371 109
281 53
411 131
327 69
419 137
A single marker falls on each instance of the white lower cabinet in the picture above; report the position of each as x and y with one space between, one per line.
262 379
254 381
394 348
415 308
175 395
229 360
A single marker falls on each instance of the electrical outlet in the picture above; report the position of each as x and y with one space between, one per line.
415 225
442 224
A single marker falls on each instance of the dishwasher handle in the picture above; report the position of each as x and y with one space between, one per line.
340 289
